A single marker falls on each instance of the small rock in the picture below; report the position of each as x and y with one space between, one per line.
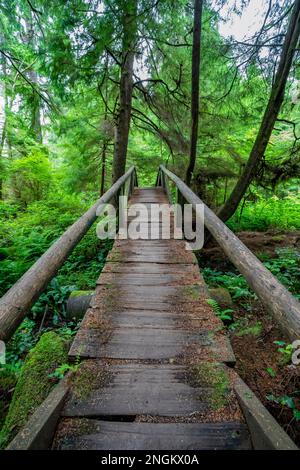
222 296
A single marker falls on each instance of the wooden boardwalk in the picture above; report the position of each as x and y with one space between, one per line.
155 371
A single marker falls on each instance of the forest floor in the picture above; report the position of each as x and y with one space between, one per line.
257 242
261 350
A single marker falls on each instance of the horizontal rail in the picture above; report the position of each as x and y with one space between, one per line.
274 296
21 296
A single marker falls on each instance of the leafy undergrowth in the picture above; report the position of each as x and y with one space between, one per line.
25 234
267 212
34 382
264 355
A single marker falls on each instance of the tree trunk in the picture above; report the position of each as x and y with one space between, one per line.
3 122
126 85
196 53
35 100
36 127
103 162
270 115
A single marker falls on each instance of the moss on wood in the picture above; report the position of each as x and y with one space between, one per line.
8 381
214 377
81 293
34 383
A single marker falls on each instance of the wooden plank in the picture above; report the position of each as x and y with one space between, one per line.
145 318
145 344
148 199
147 279
153 436
136 389
167 244
124 256
162 295
135 343
151 231
150 268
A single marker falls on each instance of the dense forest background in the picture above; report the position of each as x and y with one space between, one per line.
80 78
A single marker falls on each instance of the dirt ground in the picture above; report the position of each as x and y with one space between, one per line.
257 242
259 362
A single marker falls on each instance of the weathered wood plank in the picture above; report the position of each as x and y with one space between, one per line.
150 268
147 279
169 295
152 436
142 389
147 344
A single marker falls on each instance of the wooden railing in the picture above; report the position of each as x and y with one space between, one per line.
274 296
21 296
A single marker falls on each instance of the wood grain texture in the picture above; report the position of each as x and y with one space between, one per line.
149 436
139 389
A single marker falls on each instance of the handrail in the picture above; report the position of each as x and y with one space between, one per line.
274 296
22 295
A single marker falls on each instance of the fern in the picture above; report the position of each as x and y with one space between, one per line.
224 315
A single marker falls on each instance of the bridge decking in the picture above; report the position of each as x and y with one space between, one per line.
154 371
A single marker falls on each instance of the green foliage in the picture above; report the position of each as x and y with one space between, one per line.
31 177
8 379
21 343
271 372
286 351
235 283
33 384
285 266
286 401
224 314
269 211
61 371
254 330
25 238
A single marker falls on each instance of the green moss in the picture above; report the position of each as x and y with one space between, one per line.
34 383
8 381
193 291
212 376
90 376
254 330
115 255
80 293
278 238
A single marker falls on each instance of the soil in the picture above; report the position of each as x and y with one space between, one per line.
257 242
255 353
